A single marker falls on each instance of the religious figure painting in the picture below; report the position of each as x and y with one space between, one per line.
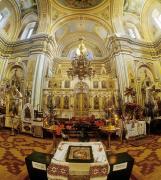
66 102
85 101
79 154
95 84
96 102
67 84
104 84
13 108
57 101
27 112
50 101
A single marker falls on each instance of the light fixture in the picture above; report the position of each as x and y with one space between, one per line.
81 66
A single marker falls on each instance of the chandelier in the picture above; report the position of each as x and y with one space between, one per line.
81 66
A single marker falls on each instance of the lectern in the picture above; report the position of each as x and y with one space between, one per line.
37 164
122 167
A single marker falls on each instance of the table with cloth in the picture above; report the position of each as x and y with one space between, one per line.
60 169
135 128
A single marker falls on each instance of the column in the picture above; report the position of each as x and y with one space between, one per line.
38 81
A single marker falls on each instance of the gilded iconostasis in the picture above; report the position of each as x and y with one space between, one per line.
39 42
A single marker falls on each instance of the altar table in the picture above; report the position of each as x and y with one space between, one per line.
136 128
59 169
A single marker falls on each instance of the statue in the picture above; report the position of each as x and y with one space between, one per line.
13 108
149 101
66 102
50 104
27 96
27 112
96 102
14 98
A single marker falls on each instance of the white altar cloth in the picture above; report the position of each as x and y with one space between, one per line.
59 169
136 128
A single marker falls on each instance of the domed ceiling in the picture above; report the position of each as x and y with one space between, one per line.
80 4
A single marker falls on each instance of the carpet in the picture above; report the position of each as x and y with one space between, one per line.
14 149
147 157
141 141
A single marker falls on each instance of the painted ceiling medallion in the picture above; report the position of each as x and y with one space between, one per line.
80 4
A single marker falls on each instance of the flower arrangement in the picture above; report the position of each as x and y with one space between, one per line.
133 109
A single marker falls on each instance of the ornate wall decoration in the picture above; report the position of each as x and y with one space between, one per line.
57 101
96 102
66 102
80 4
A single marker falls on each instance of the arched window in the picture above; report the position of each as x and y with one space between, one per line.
131 33
73 54
28 30
156 15
25 4
1 17
4 15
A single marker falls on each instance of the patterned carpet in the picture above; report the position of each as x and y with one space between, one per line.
147 165
14 149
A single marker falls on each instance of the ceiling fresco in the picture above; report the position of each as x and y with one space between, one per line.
79 4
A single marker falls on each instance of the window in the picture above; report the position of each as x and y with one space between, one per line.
67 84
95 84
159 18
29 33
28 30
73 54
4 15
156 15
1 17
104 84
131 33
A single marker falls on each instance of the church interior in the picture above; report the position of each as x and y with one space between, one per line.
80 89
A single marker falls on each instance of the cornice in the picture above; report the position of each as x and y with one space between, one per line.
40 43
137 49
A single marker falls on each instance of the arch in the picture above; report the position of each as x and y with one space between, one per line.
29 107
15 75
28 30
117 16
149 69
144 65
91 41
12 25
13 66
132 26
145 22
27 19
64 20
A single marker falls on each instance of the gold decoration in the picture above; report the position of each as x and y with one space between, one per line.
81 66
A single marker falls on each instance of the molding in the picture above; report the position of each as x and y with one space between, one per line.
137 49
37 44
42 43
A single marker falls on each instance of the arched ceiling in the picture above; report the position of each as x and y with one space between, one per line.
8 29
79 4
96 20
68 33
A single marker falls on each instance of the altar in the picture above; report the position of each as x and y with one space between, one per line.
84 160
